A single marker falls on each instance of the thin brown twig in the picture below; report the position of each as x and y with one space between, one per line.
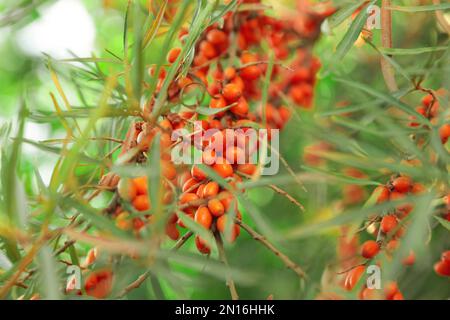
278 190
286 260
287 195
386 40
351 268
230 283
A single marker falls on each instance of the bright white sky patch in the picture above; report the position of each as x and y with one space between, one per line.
64 26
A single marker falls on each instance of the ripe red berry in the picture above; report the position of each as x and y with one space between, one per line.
444 133
383 193
207 49
370 249
202 246
211 189
410 259
216 207
402 184
222 227
127 189
241 109
141 203
229 73
398 296
250 73
390 290
198 174
442 268
218 102
353 277
188 197
217 37
203 217
388 223
223 169
172 231
99 284
141 185
231 92
173 55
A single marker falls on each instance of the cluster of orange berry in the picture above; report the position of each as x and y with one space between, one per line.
230 63
430 109
388 230
443 267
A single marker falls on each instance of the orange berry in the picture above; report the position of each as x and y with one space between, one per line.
250 73
189 215
200 190
127 189
417 188
398 296
216 207
173 54
353 277
138 224
231 92
444 133
202 246
370 249
172 231
383 193
208 49
392 245
390 290
211 189
189 184
122 221
168 170
216 37
226 198
402 184
141 203
203 217
91 257
188 197
229 73
99 284
198 174
221 224
367 294
241 109
248 57
141 185
218 102
224 169
442 268
410 259
247 168
388 223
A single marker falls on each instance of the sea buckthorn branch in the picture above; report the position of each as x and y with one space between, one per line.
222 256
386 41
232 85
285 259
